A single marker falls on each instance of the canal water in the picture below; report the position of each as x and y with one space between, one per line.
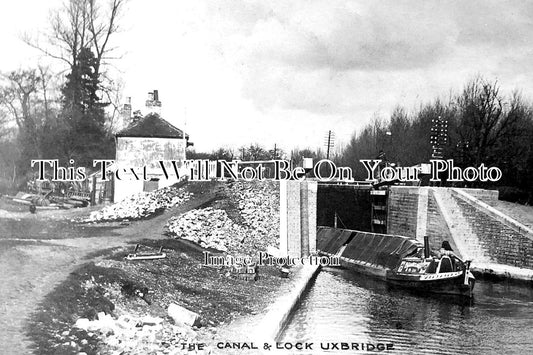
344 307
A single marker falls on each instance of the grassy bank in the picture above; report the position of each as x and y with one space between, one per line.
109 286
131 291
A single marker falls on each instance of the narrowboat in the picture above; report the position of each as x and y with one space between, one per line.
399 260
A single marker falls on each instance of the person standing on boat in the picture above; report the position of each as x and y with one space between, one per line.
446 249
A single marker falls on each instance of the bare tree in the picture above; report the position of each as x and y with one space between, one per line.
223 154
102 25
46 78
27 107
80 25
17 98
485 116
113 97
6 129
9 154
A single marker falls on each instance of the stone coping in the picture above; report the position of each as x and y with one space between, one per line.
503 218
503 271
278 314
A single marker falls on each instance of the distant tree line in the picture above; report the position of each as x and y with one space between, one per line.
484 126
252 152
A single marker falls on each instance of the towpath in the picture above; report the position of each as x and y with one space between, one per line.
39 251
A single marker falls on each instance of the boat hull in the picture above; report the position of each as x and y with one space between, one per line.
451 283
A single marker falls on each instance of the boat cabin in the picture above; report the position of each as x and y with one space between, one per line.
432 265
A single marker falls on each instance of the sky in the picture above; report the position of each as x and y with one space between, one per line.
285 72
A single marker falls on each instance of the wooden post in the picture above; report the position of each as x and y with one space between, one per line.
112 184
93 192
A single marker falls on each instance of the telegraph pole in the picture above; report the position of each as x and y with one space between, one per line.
329 142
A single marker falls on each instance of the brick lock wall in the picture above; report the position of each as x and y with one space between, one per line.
402 219
500 242
487 196
294 219
402 211
298 217
436 228
312 189
305 208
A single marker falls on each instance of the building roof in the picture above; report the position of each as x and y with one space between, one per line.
152 126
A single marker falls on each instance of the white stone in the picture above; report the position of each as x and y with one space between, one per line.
181 315
82 323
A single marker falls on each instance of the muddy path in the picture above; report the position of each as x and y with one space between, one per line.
38 252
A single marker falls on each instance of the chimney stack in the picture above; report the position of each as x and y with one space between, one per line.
125 114
153 105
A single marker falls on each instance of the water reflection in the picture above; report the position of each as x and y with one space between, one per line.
347 307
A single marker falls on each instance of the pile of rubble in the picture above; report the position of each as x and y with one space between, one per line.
132 334
141 205
211 228
253 225
258 204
